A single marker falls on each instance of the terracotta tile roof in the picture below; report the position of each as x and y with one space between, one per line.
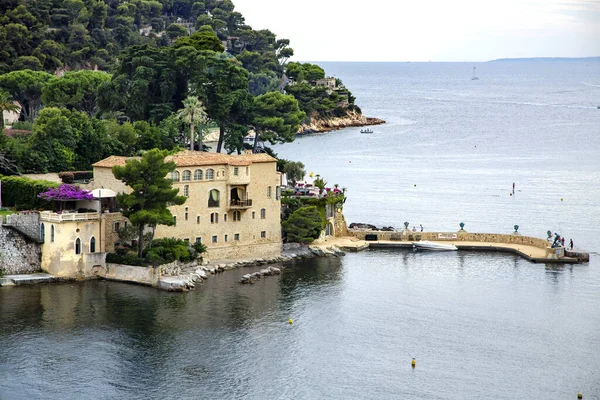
196 158
111 161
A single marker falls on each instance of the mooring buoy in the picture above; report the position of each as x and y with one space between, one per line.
290 321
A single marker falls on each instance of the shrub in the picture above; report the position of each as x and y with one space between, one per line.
66 177
22 125
167 250
129 258
304 225
199 247
22 193
83 175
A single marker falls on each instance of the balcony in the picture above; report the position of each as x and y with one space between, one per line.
68 216
240 204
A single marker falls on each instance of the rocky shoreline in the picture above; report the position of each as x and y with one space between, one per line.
352 119
181 277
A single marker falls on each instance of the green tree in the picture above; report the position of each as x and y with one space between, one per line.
201 40
193 112
304 225
277 118
6 104
175 31
26 88
152 192
294 171
223 86
75 90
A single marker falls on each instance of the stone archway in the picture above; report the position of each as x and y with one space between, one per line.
329 229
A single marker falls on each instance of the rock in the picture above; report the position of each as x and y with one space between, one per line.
317 251
337 251
329 253
388 228
201 273
275 271
361 225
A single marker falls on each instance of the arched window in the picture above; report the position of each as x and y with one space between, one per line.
263 213
175 176
214 218
186 175
186 190
210 173
93 245
198 175
78 246
51 233
42 233
213 197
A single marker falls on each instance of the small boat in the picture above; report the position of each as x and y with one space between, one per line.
474 77
366 131
426 245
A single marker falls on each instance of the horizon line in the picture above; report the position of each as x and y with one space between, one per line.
455 61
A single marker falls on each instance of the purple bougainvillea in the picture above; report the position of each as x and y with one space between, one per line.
65 193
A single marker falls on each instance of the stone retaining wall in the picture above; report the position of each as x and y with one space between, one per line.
461 236
238 251
18 255
132 273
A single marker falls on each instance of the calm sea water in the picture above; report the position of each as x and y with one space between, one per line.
480 325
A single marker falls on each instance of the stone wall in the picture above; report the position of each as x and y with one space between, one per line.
241 251
339 223
461 236
18 255
26 222
132 273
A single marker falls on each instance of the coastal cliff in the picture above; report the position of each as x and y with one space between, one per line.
353 118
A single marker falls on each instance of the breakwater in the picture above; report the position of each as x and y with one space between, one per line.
531 248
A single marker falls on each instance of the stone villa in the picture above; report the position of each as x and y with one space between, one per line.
233 207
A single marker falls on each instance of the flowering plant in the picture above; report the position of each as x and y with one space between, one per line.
66 192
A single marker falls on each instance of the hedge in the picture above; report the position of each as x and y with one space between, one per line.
71 176
21 193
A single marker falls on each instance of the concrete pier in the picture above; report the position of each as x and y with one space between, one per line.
532 249
29 279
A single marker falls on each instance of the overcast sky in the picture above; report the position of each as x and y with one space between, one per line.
429 30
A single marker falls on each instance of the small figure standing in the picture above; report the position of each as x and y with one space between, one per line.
513 188
570 244
421 225
562 240
414 229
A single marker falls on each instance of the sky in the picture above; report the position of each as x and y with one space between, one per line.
429 30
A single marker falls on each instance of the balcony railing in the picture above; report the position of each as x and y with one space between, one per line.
67 217
240 203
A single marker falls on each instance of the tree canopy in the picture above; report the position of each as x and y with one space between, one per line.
152 192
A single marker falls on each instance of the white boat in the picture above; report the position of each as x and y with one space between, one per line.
474 77
426 245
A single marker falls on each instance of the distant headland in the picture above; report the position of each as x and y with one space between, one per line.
544 59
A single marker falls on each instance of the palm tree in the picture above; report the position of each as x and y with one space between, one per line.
6 104
193 111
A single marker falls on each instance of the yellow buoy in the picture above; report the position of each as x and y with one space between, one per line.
579 395
290 321
413 363
561 199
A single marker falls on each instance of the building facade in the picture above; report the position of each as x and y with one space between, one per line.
233 202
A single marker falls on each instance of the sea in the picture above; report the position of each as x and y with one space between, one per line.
479 325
